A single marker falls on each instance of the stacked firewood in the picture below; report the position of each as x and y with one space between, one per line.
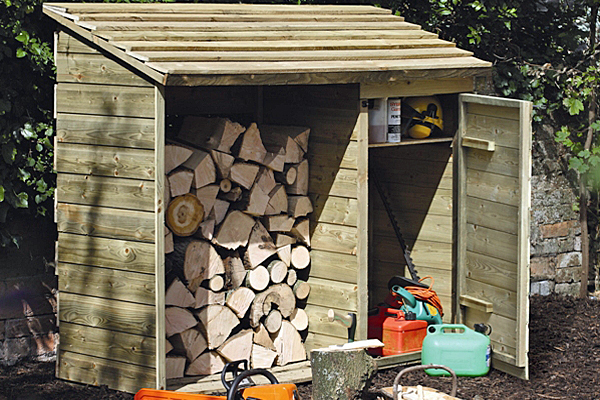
237 241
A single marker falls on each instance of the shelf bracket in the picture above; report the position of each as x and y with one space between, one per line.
478 304
481 144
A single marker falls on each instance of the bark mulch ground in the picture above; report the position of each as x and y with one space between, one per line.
564 359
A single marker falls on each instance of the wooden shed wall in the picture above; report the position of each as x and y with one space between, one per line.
105 160
332 112
419 181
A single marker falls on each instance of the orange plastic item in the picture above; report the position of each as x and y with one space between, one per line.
281 391
153 394
401 336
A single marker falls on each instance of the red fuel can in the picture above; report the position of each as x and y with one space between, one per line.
375 328
401 336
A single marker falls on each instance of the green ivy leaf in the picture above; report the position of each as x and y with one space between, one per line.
9 152
574 106
21 53
1 193
22 200
23 37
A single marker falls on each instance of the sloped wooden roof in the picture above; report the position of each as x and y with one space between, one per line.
242 44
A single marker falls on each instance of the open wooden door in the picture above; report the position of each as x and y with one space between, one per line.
493 156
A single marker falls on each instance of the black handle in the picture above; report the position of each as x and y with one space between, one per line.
232 391
232 367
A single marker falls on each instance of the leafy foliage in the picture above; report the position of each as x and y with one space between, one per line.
26 77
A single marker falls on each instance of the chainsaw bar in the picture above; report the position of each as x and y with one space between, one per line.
398 280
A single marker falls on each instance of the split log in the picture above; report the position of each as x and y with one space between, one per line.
234 272
262 337
301 231
260 246
180 182
299 206
258 278
166 191
205 297
169 244
299 319
278 202
225 185
235 230
273 321
210 133
262 357
216 283
278 296
201 163
258 201
216 322
206 364
278 223
178 320
184 215
240 300
300 185
252 148
238 346
244 174
300 257
289 345
275 159
341 375
201 262
190 342
265 180
206 230
175 155
174 367
288 176
220 210
274 135
207 196
168 347
292 277
223 163
277 270
285 254
178 295
283 240
233 195
301 290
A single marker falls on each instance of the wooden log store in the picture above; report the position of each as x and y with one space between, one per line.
256 118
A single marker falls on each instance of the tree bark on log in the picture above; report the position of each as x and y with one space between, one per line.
278 296
341 375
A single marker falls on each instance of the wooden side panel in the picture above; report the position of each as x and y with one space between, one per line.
332 113
106 191
418 180
493 223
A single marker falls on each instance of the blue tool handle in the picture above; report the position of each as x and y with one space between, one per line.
405 294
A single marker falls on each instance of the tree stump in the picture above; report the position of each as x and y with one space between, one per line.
341 374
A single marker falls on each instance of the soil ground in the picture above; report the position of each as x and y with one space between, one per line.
564 359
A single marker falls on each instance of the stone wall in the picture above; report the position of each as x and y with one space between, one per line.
555 228
28 293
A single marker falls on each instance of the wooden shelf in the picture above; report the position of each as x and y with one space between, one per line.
408 142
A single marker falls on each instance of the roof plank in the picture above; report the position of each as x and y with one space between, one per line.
236 18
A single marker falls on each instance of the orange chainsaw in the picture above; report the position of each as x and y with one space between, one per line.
273 391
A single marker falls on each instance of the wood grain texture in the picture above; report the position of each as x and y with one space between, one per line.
334 238
116 315
105 191
102 252
123 101
325 293
111 345
105 161
106 283
95 68
333 266
415 88
335 210
98 371
105 222
105 130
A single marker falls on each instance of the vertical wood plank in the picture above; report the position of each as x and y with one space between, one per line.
362 252
524 236
159 164
461 210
